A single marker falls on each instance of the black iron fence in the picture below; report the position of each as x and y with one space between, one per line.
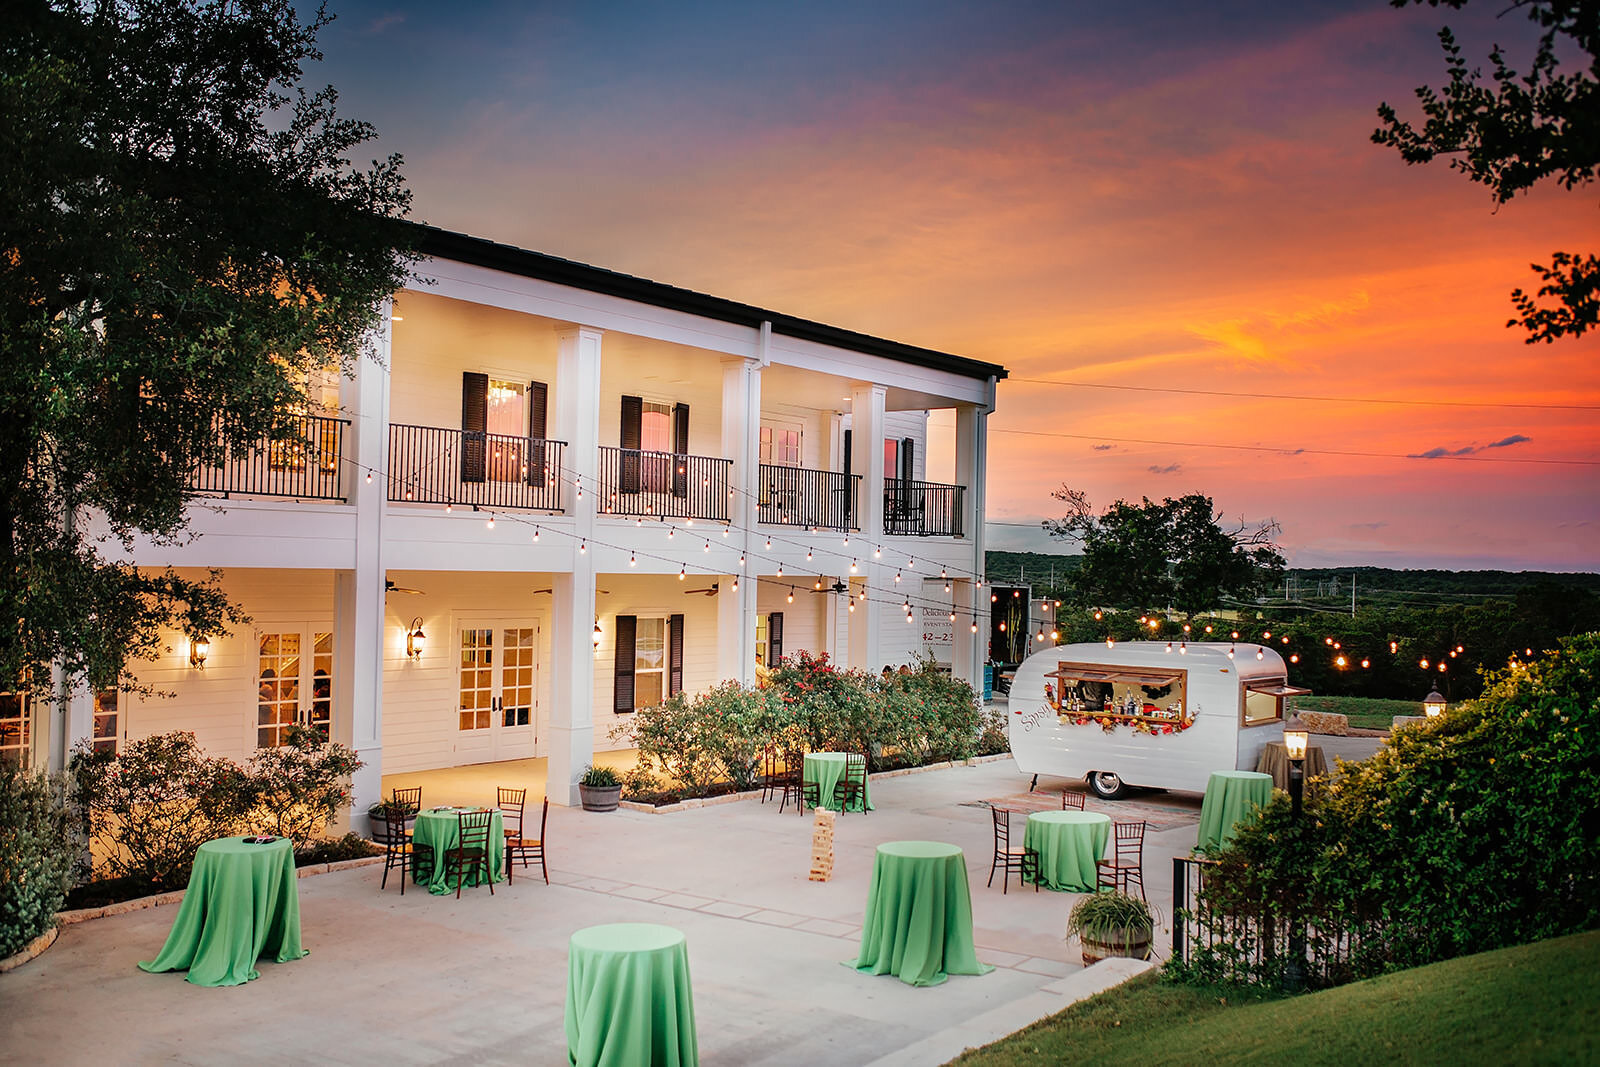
304 463
921 509
795 496
1296 948
433 465
672 485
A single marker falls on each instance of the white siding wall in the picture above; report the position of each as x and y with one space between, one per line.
803 626
652 595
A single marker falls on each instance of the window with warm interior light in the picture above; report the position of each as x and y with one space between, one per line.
107 721
649 661
16 715
780 446
1100 690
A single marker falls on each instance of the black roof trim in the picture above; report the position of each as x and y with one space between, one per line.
464 248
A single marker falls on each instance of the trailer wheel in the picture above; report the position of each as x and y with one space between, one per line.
1106 785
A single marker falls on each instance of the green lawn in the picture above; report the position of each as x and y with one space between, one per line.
1535 1003
1371 713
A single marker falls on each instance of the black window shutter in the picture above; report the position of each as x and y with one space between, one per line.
774 638
474 421
849 481
622 686
680 445
908 471
675 655
538 426
632 434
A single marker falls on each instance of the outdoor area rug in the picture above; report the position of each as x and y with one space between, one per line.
1159 816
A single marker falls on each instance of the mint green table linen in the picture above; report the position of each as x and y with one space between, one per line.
243 903
1230 798
918 924
1068 844
629 1001
441 829
825 769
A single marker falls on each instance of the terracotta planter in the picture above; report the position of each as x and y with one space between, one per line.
1127 944
599 797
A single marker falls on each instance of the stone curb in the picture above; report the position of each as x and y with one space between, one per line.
729 798
32 949
123 907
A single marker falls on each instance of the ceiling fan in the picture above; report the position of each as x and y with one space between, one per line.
708 592
836 587
602 592
390 587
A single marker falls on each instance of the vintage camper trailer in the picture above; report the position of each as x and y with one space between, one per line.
1146 713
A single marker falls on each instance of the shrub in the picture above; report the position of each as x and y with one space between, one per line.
673 737
994 735
930 714
299 786
153 805
1471 832
37 854
824 708
335 849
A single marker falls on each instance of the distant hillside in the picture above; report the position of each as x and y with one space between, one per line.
1330 585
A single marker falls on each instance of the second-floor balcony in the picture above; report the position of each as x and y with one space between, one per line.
796 496
914 508
303 463
434 465
673 485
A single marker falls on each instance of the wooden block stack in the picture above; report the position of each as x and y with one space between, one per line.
822 847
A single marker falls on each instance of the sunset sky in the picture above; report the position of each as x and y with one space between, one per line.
1137 194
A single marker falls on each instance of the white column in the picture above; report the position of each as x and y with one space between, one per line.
741 423
358 593
866 457
966 658
577 408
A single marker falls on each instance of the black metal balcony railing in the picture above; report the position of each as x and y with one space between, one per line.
433 465
921 509
305 464
795 496
672 485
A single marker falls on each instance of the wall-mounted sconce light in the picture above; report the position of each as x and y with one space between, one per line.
199 649
415 639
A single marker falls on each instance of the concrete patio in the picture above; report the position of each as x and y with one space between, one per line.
425 979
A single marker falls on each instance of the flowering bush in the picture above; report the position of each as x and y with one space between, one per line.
37 849
823 707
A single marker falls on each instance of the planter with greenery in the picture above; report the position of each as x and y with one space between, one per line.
599 788
386 817
1111 924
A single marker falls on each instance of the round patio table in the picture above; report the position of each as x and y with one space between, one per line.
1230 798
1068 844
628 997
243 903
441 829
825 769
918 924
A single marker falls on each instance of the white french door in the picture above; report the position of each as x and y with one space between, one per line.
497 717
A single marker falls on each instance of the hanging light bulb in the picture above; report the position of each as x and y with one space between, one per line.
583 548
791 594
877 553
1169 647
708 547
946 587
369 477
741 559
1208 629
1286 640
1423 663
736 585
1185 627
724 531
633 560
952 616
942 574
1295 658
780 570
911 564
817 584
1267 636
491 522
448 507
897 577
1039 636
1261 653
909 617
1230 651
769 542
1339 661
689 521
1183 648
1097 615
681 573
851 604
847 540
672 532
1365 664
808 555
536 535
974 625
852 566
1110 643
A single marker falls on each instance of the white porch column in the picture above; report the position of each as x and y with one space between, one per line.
972 455
866 458
966 658
358 593
741 423
577 408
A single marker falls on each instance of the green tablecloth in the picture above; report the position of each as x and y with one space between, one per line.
1230 797
1068 843
629 1001
442 829
825 769
243 903
918 925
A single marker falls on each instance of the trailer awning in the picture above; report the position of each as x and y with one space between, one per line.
1127 676
1278 689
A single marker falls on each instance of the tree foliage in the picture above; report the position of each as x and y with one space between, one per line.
184 239
1515 131
1173 554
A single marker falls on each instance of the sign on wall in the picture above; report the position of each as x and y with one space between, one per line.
938 632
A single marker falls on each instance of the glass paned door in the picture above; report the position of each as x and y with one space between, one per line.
16 714
498 716
107 721
292 689
655 436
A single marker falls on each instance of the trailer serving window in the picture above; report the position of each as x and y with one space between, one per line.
1076 689
1263 702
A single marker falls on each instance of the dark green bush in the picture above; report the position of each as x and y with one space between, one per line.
1475 831
38 852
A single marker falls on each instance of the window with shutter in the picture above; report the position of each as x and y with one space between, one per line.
538 431
680 446
632 430
474 423
774 638
675 656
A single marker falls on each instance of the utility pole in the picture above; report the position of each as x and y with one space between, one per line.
1352 596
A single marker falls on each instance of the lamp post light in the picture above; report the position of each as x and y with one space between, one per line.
1433 704
1295 741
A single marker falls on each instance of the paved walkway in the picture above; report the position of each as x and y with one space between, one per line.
425 979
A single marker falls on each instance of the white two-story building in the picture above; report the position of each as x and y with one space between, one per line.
559 494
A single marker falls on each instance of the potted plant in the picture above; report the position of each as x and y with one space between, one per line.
599 788
387 821
1111 924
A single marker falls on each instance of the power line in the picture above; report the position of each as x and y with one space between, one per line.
1319 399
1286 451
